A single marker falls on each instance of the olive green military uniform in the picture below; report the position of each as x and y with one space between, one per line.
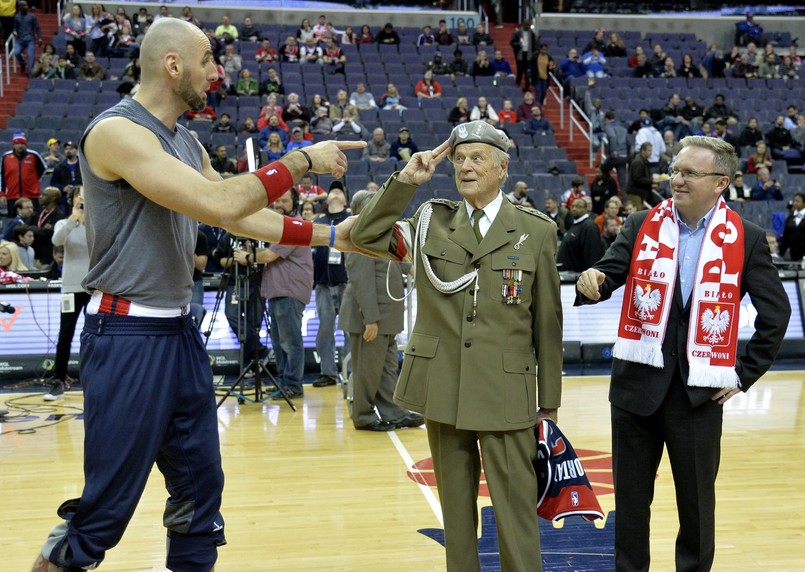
472 368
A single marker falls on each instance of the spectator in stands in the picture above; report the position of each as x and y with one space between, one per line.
649 134
688 68
298 140
289 51
426 38
643 68
633 59
480 37
602 189
500 66
74 26
67 174
142 21
307 191
692 113
524 109
616 144
63 69
798 132
341 103
790 121
672 148
23 237
640 182
222 163
722 132
598 41
91 70
744 68
557 214
223 124
247 85
610 209
720 110
187 16
769 67
249 32
216 45
20 172
610 232
507 114
524 43
404 147
779 140
366 36
766 188
388 35
635 125
349 124
595 113
308 210
594 62
27 34
265 53
460 113
793 239
231 60
392 99
24 210
321 124
572 66
318 101
270 108
750 135
348 37
737 191
272 83
458 67
443 36
320 28
52 155
615 48
248 126
714 62
272 127
462 33
206 114
543 66
362 99
748 31
537 124
294 112
438 65
483 110
10 260
581 245
378 149
311 52
427 87
657 58
481 66
226 32
576 191
333 58
275 149
788 69
43 221
162 13
519 196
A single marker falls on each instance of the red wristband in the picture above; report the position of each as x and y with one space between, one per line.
296 232
276 179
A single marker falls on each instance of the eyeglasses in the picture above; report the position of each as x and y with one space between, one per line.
688 175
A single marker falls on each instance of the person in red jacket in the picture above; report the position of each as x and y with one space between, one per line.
20 171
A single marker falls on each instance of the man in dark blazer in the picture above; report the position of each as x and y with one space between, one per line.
665 404
489 311
639 182
793 238
372 318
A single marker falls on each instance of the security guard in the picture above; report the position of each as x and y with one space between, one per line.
488 313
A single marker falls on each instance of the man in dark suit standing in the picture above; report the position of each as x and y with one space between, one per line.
793 238
676 359
489 311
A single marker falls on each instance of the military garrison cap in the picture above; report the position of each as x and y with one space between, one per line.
479 132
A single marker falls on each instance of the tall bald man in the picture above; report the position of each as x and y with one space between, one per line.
147 182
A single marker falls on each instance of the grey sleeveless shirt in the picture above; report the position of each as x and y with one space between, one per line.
137 248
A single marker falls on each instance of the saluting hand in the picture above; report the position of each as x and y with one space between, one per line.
421 166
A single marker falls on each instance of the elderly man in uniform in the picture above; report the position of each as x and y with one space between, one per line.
489 313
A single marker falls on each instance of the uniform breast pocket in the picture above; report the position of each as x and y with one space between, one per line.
520 386
415 374
447 259
512 278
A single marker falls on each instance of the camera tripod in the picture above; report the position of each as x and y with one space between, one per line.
247 296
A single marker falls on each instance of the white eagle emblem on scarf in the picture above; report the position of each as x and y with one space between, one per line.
646 301
715 324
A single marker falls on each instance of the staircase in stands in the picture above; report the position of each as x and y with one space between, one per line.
578 149
14 91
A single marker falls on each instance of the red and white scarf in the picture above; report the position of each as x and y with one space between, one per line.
715 299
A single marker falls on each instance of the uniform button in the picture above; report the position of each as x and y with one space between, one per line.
443 253
469 318
673 352
413 349
527 368
467 344
683 322
514 264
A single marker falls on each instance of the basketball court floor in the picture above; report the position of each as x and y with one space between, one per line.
305 491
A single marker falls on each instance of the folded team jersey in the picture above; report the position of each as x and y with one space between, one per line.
563 488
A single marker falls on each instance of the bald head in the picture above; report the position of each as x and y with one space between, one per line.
166 36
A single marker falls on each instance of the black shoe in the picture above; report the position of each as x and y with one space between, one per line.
292 393
324 381
410 420
377 425
56 390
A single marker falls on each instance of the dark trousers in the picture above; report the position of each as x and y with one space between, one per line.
693 439
66 333
240 313
148 397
